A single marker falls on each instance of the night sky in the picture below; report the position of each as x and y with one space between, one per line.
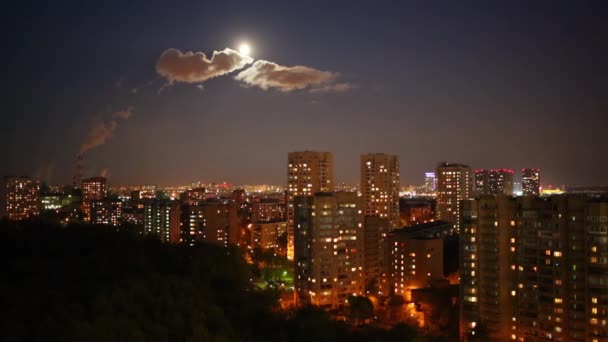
483 84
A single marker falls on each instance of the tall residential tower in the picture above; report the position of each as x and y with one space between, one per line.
380 186
454 184
328 248
19 198
494 182
530 182
308 172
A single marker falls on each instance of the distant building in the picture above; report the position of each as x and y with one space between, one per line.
430 182
535 269
193 196
328 248
380 186
493 182
267 210
93 189
530 182
264 235
19 198
134 216
416 210
589 190
162 218
51 201
308 172
108 212
454 184
429 230
148 192
239 196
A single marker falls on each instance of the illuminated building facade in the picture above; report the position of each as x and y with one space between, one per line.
106 212
19 198
430 182
193 196
162 218
530 182
328 248
535 269
376 260
50 202
264 235
416 211
454 184
215 223
414 262
267 209
93 189
380 186
493 182
308 172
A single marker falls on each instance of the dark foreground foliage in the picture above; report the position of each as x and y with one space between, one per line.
84 283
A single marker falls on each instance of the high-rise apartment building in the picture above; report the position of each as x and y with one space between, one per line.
308 172
376 255
535 269
106 212
328 248
210 222
530 182
493 182
454 184
430 182
265 235
267 209
19 198
415 262
162 218
93 189
380 186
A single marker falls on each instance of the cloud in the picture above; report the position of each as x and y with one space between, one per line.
102 132
195 67
266 75
336 87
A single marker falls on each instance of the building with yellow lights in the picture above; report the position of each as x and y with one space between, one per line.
93 189
380 186
454 184
19 198
328 248
308 172
535 269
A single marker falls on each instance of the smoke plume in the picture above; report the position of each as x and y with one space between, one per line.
102 132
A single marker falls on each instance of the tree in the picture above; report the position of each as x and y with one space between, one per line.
360 308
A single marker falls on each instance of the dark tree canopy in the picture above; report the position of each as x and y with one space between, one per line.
87 283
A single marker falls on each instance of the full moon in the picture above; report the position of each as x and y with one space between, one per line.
244 49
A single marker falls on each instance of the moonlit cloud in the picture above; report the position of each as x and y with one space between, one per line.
267 75
102 132
336 87
195 67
